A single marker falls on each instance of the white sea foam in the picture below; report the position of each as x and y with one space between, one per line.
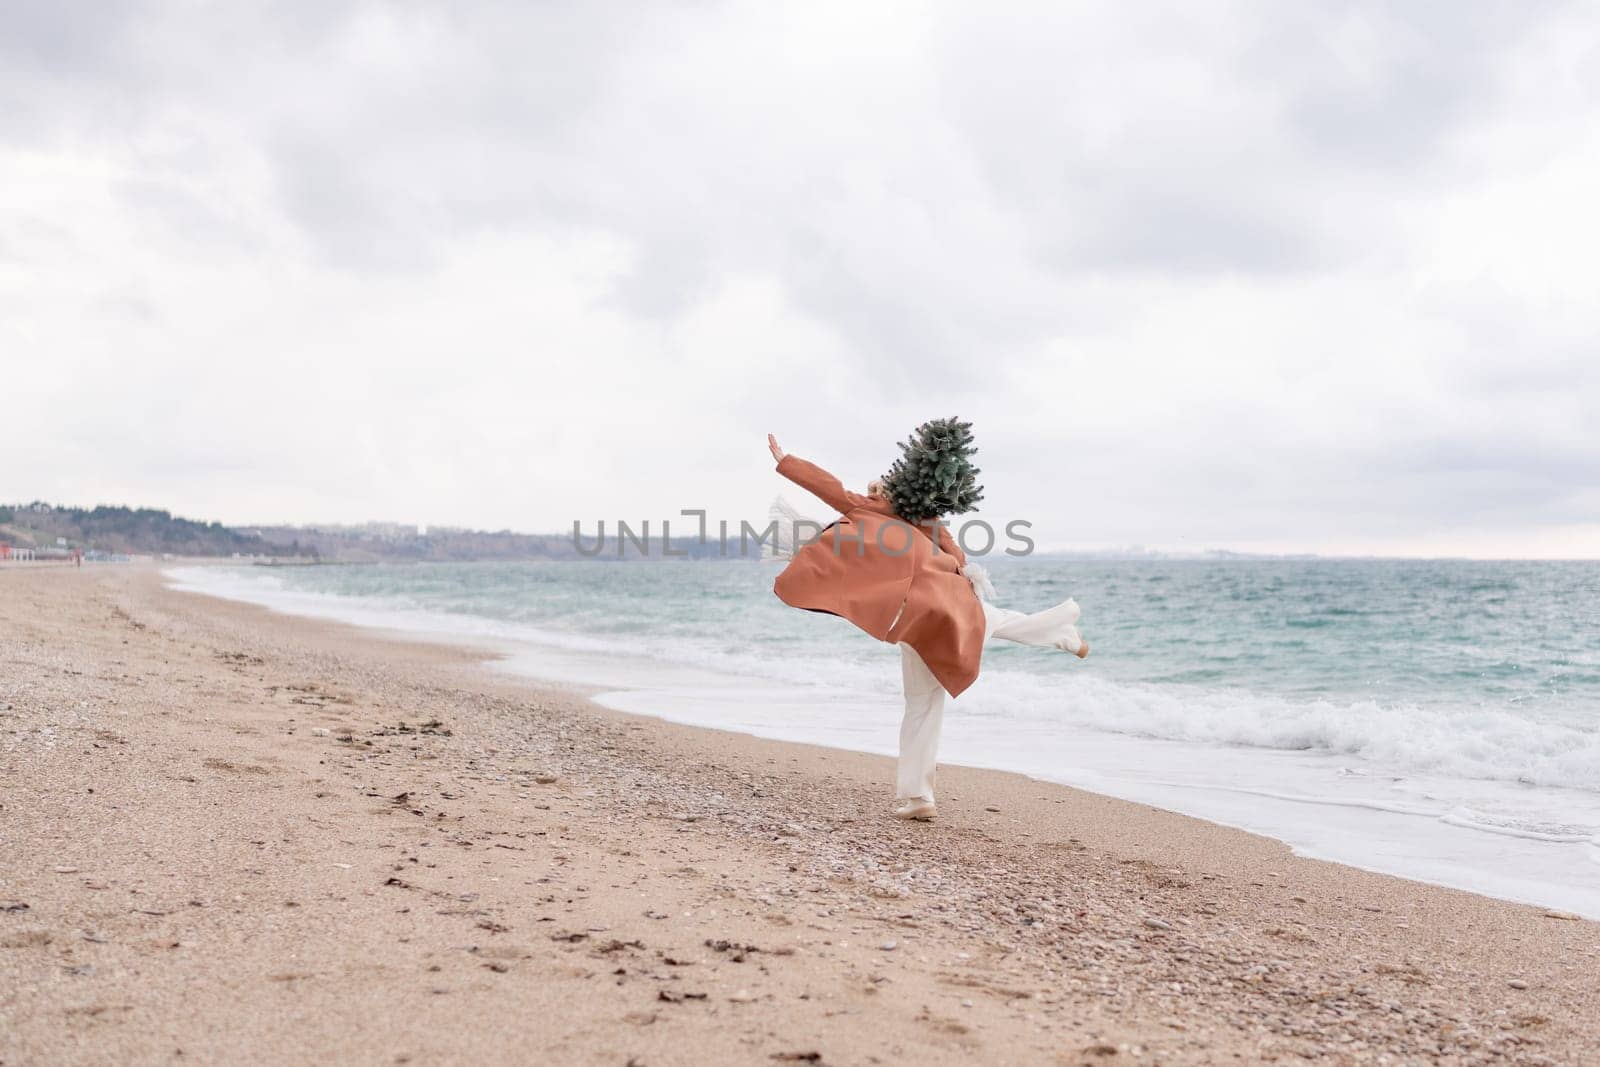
1459 741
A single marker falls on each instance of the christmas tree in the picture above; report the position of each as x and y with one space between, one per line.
934 475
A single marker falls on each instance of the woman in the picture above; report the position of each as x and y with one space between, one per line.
901 578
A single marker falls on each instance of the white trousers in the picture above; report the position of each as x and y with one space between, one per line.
919 729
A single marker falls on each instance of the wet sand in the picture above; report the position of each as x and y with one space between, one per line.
229 836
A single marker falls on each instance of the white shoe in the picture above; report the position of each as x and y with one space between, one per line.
915 808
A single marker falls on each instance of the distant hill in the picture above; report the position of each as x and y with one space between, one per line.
132 531
148 531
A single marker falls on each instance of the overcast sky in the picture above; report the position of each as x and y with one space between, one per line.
1284 277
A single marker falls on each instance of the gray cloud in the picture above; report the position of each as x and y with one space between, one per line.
1383 86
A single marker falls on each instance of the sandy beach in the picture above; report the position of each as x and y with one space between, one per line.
229 835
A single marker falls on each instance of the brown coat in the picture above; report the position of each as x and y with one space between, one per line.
890 578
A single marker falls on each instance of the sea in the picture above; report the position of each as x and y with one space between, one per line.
1437 720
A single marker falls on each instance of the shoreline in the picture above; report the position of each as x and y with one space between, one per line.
219 819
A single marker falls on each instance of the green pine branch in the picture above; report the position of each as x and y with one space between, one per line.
934 475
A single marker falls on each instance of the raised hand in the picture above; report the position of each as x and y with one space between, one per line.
772 443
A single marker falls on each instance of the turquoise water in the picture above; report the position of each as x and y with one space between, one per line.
1487 643
1436 718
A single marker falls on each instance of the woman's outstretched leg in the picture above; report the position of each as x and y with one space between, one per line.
1051 628
919 736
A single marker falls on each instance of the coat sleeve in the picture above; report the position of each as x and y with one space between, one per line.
819 483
